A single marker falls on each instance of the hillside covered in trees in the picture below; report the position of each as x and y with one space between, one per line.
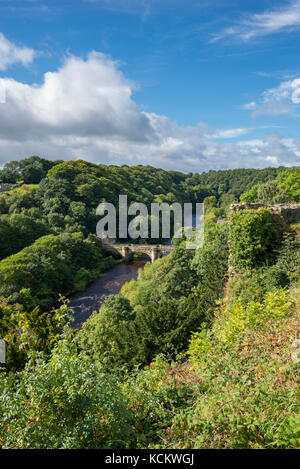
186 356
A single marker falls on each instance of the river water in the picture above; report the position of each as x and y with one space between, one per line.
108 283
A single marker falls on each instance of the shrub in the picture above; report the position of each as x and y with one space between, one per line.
66 402
237 318
244 365
29 330
107 336
254 238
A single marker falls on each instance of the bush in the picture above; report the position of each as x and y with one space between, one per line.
66 402
244 365
107 336
254 238
29 330
237 318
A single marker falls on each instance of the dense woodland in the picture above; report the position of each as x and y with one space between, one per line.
187 356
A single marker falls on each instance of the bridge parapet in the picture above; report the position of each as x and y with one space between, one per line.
154 251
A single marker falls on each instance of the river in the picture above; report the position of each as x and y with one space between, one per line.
108 283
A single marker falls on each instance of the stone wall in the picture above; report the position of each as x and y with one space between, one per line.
290 213
4 186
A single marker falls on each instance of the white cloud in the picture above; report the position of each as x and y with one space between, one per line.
230 133
272 159
287 90
280 100
11 54
86 110
285 18
271 108
2 93
82 98
249 106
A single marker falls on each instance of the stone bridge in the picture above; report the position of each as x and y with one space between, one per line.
154 251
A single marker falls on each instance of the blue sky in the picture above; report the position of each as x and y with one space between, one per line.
185 85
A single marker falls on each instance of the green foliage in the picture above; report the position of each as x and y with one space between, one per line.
289 182
245 363
25 332
24 198
284 189
253 237
145 320
30 170
267 193
70 191
155 394
210 265
70 402
19 230
250 196
239 317
270 193
66 402
233 181
288 259
89 389
106 336
255 283
237 394
49 267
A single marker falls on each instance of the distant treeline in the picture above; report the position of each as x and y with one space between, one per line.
156 181
56 197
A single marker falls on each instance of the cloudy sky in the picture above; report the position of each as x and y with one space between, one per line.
188 85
